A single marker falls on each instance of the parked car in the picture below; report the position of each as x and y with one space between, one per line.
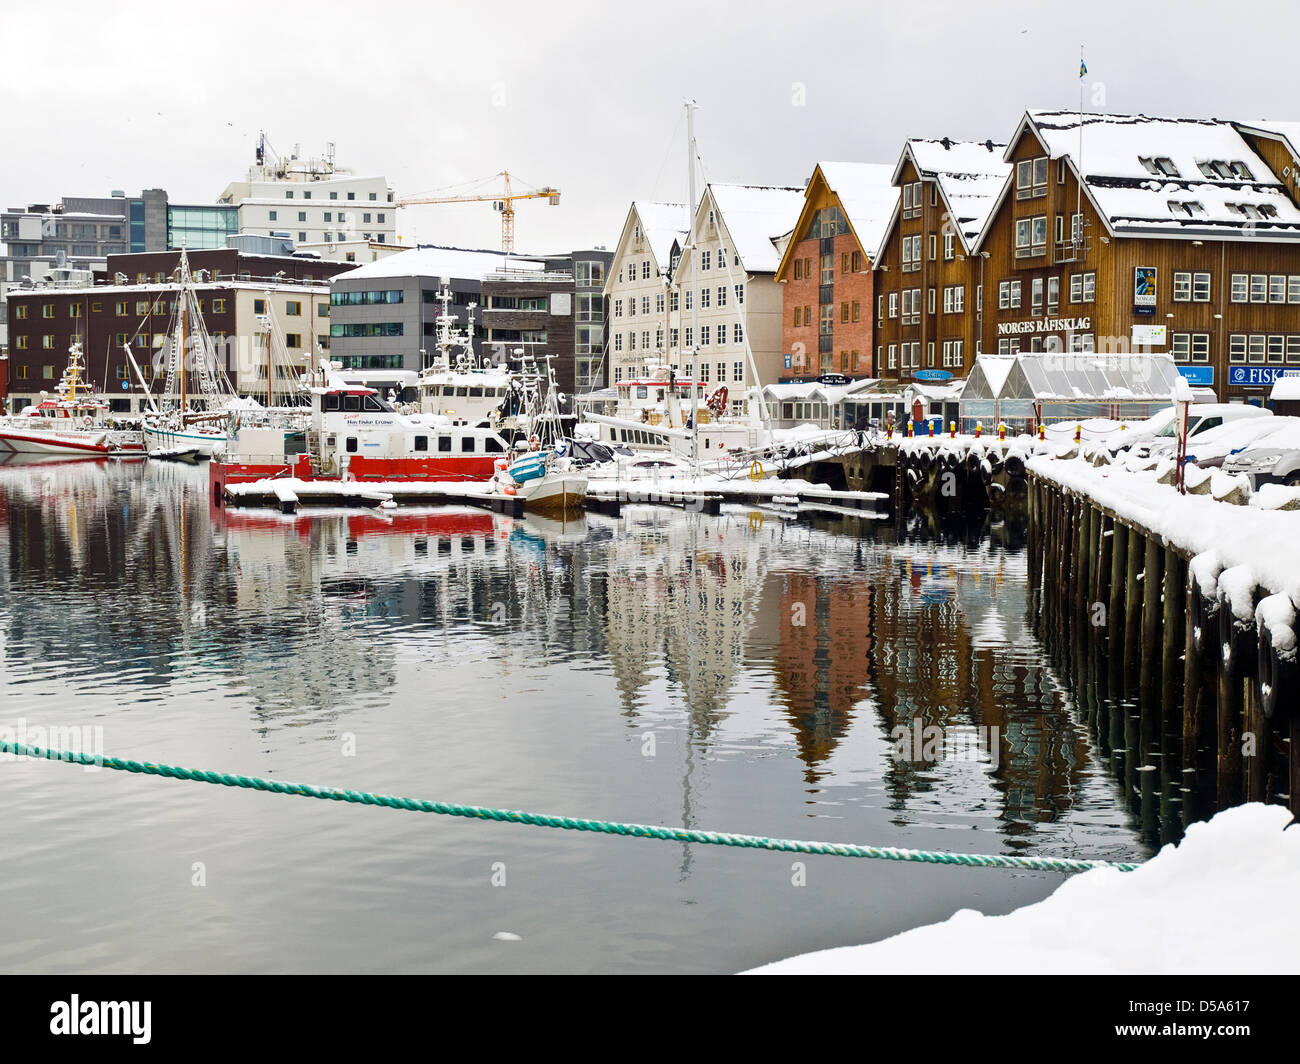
1202 417
1274 459
1209 449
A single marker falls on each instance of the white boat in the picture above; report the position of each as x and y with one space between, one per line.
545 476
73 421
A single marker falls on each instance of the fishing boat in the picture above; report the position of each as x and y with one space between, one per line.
546 476
72 421
353 434
457 383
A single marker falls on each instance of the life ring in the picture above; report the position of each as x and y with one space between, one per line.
87 422
755 470
1277 675
534 443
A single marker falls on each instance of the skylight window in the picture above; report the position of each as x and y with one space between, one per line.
1160 165
1246 210
1187 209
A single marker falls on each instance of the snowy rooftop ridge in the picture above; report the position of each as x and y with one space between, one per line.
756 216
970 175
663 223
1170 175
866 192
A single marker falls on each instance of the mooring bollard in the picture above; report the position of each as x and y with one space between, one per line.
1042 431
952 430
910 429
1078 433
930 428
1002 431
978 429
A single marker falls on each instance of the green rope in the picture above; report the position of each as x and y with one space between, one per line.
511 816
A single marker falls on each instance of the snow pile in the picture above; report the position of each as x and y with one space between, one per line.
1164 917
1276 614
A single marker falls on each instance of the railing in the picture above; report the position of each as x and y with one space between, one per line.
538 276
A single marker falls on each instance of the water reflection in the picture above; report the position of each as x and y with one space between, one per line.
741 672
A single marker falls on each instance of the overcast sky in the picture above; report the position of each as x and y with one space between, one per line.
586 96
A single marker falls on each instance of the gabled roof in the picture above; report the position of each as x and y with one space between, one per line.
1287 132
755 217
662 225
866 194
1144 175
970 176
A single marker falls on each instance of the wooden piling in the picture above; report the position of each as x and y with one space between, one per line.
1152 612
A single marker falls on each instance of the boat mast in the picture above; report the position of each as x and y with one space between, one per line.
692 206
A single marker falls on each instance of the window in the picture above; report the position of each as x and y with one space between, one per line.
1180 346
22 346
219 306
1036 296
352 195
293 340
952 354
704 298
827 323
1276 346
1201 347
1258 288
1182 287
893 304
1257 347
911 253
1240 287
948 246
704 259
293 308
912 201
844 313
740 293
738 370
1015 294
1293 288
274 215
722 295
1237 347
302 237
857 310
142 308
1031 178
828 269
934 247
1276 288
302 216
259 306
1031 236
1200 288
893 356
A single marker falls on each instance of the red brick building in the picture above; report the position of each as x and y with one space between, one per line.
826 271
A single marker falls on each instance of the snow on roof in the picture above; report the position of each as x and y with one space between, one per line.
1147 174
756 216
1286 386
440 262
866 192
1287 131
970 174
662 224
1073 377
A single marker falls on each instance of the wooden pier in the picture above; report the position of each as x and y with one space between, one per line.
1195 708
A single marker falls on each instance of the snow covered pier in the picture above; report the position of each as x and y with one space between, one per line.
288 493
1183 606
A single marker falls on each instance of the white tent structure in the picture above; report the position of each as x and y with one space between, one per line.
1028 388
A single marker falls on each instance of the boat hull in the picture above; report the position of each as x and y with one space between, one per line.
52 443
555 493
157 439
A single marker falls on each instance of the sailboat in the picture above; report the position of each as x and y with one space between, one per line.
183 423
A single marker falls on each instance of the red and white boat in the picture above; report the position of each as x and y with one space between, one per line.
354 435
73 421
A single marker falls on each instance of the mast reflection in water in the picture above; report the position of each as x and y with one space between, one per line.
736 672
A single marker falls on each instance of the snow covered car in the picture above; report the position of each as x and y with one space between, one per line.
1274 459
1203 417
1210 449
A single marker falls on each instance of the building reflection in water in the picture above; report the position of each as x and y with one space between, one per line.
854 624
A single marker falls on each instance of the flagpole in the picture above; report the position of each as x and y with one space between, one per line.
1076 238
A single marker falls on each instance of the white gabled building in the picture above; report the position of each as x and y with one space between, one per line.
738 235
640 304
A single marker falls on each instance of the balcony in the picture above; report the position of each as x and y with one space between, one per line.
529 276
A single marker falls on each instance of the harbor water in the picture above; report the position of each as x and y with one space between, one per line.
853 680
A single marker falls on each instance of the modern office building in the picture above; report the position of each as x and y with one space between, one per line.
383 314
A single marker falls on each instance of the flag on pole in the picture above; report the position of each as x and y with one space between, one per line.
1083 67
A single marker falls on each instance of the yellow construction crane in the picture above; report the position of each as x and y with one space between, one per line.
504 203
